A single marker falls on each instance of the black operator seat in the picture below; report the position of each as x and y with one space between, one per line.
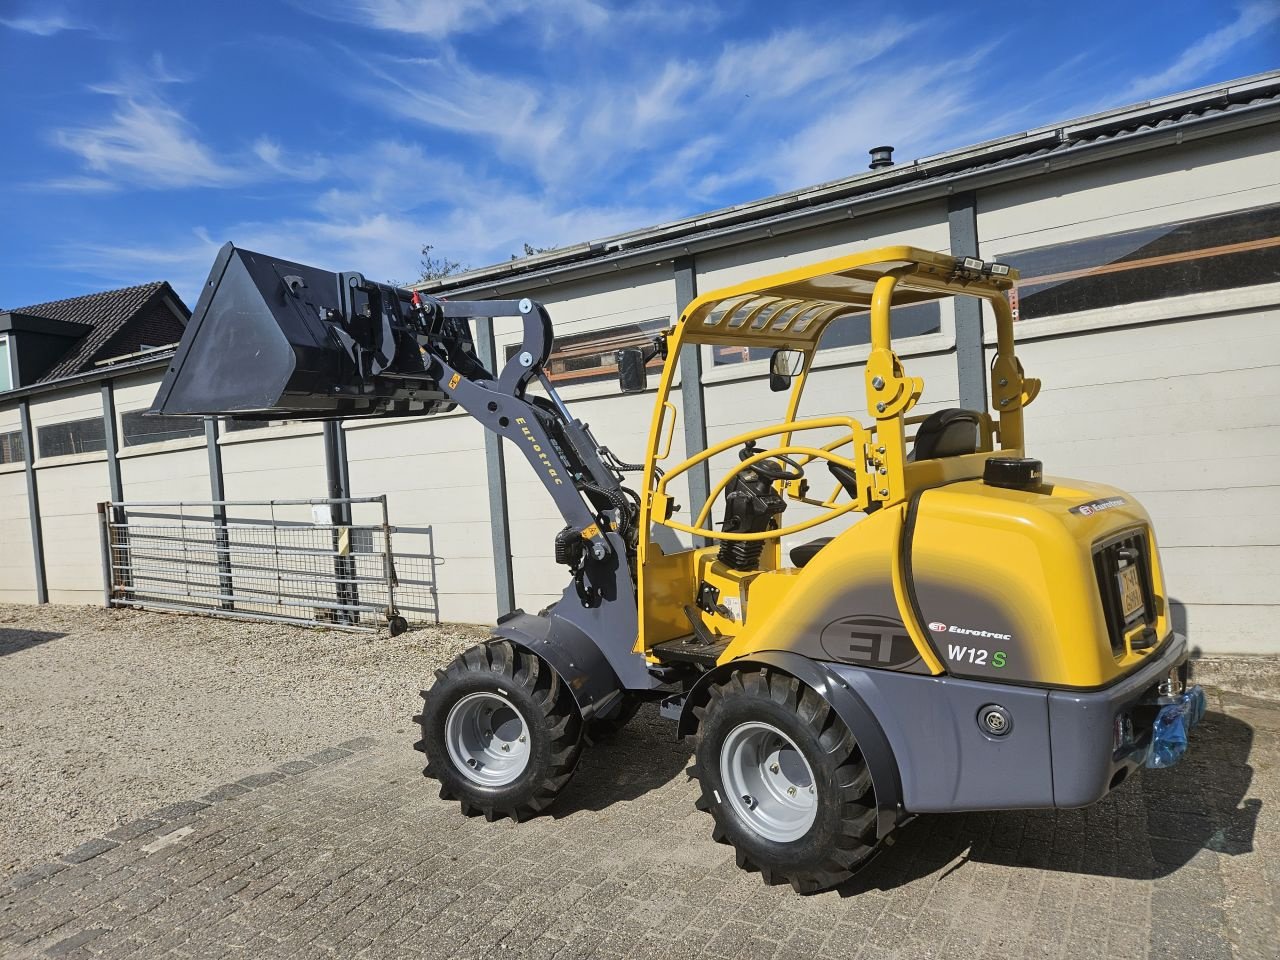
952 432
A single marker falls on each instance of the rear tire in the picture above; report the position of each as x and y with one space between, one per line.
785 781
501 733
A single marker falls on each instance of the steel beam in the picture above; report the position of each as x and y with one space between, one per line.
695 421
338 477
109 437
495 469
33 503
971 362
218 494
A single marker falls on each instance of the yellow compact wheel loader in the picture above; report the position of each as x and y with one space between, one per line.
954 631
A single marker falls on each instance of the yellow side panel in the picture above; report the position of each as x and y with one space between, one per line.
847 604
668 587
1006 584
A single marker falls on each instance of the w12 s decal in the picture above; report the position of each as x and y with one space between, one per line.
978 656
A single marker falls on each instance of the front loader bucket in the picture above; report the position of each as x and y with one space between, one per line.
274 339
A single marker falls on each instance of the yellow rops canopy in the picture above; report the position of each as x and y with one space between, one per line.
792 308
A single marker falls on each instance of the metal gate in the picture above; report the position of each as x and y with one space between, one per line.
319 561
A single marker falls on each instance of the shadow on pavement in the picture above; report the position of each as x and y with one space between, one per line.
639 759
13 641
1149 827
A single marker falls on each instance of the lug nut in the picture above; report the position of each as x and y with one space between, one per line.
773 768
791 791
506 747
522 738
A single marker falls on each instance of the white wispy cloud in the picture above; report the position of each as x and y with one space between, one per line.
550 19
42 25
1208 52
147 142
386 201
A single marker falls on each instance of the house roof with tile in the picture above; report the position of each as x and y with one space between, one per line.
120 323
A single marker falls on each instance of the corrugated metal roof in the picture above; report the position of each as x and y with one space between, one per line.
1252 100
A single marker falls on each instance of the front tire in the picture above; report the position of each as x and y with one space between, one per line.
501 733
785 781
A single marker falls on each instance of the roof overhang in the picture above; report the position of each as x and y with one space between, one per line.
16 322
1168 122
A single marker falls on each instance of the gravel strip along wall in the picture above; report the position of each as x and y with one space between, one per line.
111 714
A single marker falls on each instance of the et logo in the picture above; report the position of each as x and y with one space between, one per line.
937 627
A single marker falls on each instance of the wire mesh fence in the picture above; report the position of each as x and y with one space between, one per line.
318 561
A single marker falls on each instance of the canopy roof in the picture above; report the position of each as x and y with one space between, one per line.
792 308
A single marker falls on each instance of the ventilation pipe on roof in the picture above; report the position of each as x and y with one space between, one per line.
881 157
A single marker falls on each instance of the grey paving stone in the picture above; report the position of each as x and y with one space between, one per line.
353 855
256 780
176 811
295 766
228 791
134 829
87 851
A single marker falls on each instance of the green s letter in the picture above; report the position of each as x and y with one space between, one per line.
997 658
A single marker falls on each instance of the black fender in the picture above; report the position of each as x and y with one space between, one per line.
848 705
573 655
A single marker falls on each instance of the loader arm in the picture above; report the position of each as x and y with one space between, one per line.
270 338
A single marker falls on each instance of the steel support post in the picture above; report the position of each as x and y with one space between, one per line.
116 514
695 421
495 469
218 494
339 481
33 502
971 362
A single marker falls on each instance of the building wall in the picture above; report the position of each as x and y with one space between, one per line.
1173 400
17 570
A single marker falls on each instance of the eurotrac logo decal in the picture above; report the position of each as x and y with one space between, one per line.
937 627
1097 506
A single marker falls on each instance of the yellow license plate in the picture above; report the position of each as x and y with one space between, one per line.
1130 591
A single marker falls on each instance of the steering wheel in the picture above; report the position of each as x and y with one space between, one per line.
773 468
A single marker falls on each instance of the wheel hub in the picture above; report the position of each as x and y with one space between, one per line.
769 781
487 739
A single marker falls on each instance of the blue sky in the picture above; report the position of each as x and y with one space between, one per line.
347 133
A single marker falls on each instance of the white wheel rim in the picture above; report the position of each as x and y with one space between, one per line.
770 783
487 739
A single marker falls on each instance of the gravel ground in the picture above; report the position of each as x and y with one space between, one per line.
108 714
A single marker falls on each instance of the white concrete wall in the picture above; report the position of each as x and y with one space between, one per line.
17 569
1176 401
70 489
433 473
620 422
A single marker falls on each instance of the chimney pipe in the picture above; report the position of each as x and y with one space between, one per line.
881 157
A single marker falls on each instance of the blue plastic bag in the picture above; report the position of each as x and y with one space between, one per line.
1169 735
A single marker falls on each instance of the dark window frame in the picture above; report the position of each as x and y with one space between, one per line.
87 435
1200 255
592 356
154 428
11 447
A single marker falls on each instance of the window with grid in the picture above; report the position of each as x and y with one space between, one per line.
139 427
11 448
74 436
